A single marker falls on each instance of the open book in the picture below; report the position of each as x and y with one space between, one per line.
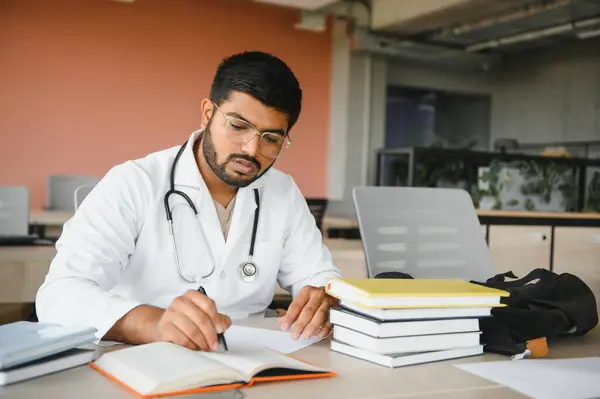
162 369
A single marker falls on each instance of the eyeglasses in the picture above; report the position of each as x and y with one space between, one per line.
241 132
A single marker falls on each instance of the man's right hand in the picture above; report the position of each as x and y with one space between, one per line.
191 320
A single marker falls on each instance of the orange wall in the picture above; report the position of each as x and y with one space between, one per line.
87 84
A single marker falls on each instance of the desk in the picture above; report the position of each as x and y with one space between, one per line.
49 218
48 223
490 216
23 269
356 378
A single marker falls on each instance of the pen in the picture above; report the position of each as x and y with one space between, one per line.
221 336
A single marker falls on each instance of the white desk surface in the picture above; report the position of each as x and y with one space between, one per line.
356 378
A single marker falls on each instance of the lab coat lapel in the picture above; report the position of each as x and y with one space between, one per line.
189 180
240 230
187 173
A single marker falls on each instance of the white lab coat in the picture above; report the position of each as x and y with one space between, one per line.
115 253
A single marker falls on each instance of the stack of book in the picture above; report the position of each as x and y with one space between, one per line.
29 350
401 322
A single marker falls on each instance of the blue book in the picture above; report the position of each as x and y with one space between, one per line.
24 341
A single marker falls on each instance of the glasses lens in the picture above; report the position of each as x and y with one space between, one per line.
270 145
238 131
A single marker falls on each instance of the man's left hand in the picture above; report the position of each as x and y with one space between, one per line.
308 313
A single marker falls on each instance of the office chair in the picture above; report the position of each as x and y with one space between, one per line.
80 193
14 211
423 232
317 207
61 189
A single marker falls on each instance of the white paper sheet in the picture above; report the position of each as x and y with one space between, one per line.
240 337
544 378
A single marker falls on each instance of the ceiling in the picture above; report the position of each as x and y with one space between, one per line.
303 4
529 25
476 27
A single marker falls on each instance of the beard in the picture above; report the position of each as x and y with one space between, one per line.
219 169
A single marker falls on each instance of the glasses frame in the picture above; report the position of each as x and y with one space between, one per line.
228 118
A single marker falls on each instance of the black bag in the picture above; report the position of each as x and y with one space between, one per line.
542 304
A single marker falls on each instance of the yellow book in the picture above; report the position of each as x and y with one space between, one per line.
417 293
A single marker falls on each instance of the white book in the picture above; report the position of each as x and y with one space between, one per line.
405 359
419 313
24 341
52 364
419 343
404 328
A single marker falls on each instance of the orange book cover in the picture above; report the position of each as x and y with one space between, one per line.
215 388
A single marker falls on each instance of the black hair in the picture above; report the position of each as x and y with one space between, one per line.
262 76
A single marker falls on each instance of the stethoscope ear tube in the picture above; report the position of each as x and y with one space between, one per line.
248 271
172 185
255 226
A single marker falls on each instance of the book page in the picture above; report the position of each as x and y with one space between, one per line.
252 361
163 366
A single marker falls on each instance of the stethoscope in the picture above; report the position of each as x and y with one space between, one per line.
247 271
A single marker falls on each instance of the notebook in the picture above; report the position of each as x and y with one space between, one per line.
47 365
163 369
416 314
405 359
420 343
417 293
25 341
403 328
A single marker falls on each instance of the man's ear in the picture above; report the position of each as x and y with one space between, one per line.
206 108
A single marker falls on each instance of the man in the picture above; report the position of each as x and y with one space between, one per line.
121 266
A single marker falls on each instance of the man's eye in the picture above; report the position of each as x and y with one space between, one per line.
271 139
238 127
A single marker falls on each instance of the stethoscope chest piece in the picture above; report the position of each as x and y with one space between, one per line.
248 271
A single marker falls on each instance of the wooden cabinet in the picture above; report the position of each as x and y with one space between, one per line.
577 251
519 248
22 271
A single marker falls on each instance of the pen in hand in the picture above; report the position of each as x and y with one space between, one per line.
221 336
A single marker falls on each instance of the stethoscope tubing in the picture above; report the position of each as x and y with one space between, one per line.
189 201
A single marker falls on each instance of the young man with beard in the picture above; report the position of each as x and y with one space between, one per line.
172 246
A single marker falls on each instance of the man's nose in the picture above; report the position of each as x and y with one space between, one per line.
252 147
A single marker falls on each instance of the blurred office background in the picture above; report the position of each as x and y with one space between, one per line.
500 98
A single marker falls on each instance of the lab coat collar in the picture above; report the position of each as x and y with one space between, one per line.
188 174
